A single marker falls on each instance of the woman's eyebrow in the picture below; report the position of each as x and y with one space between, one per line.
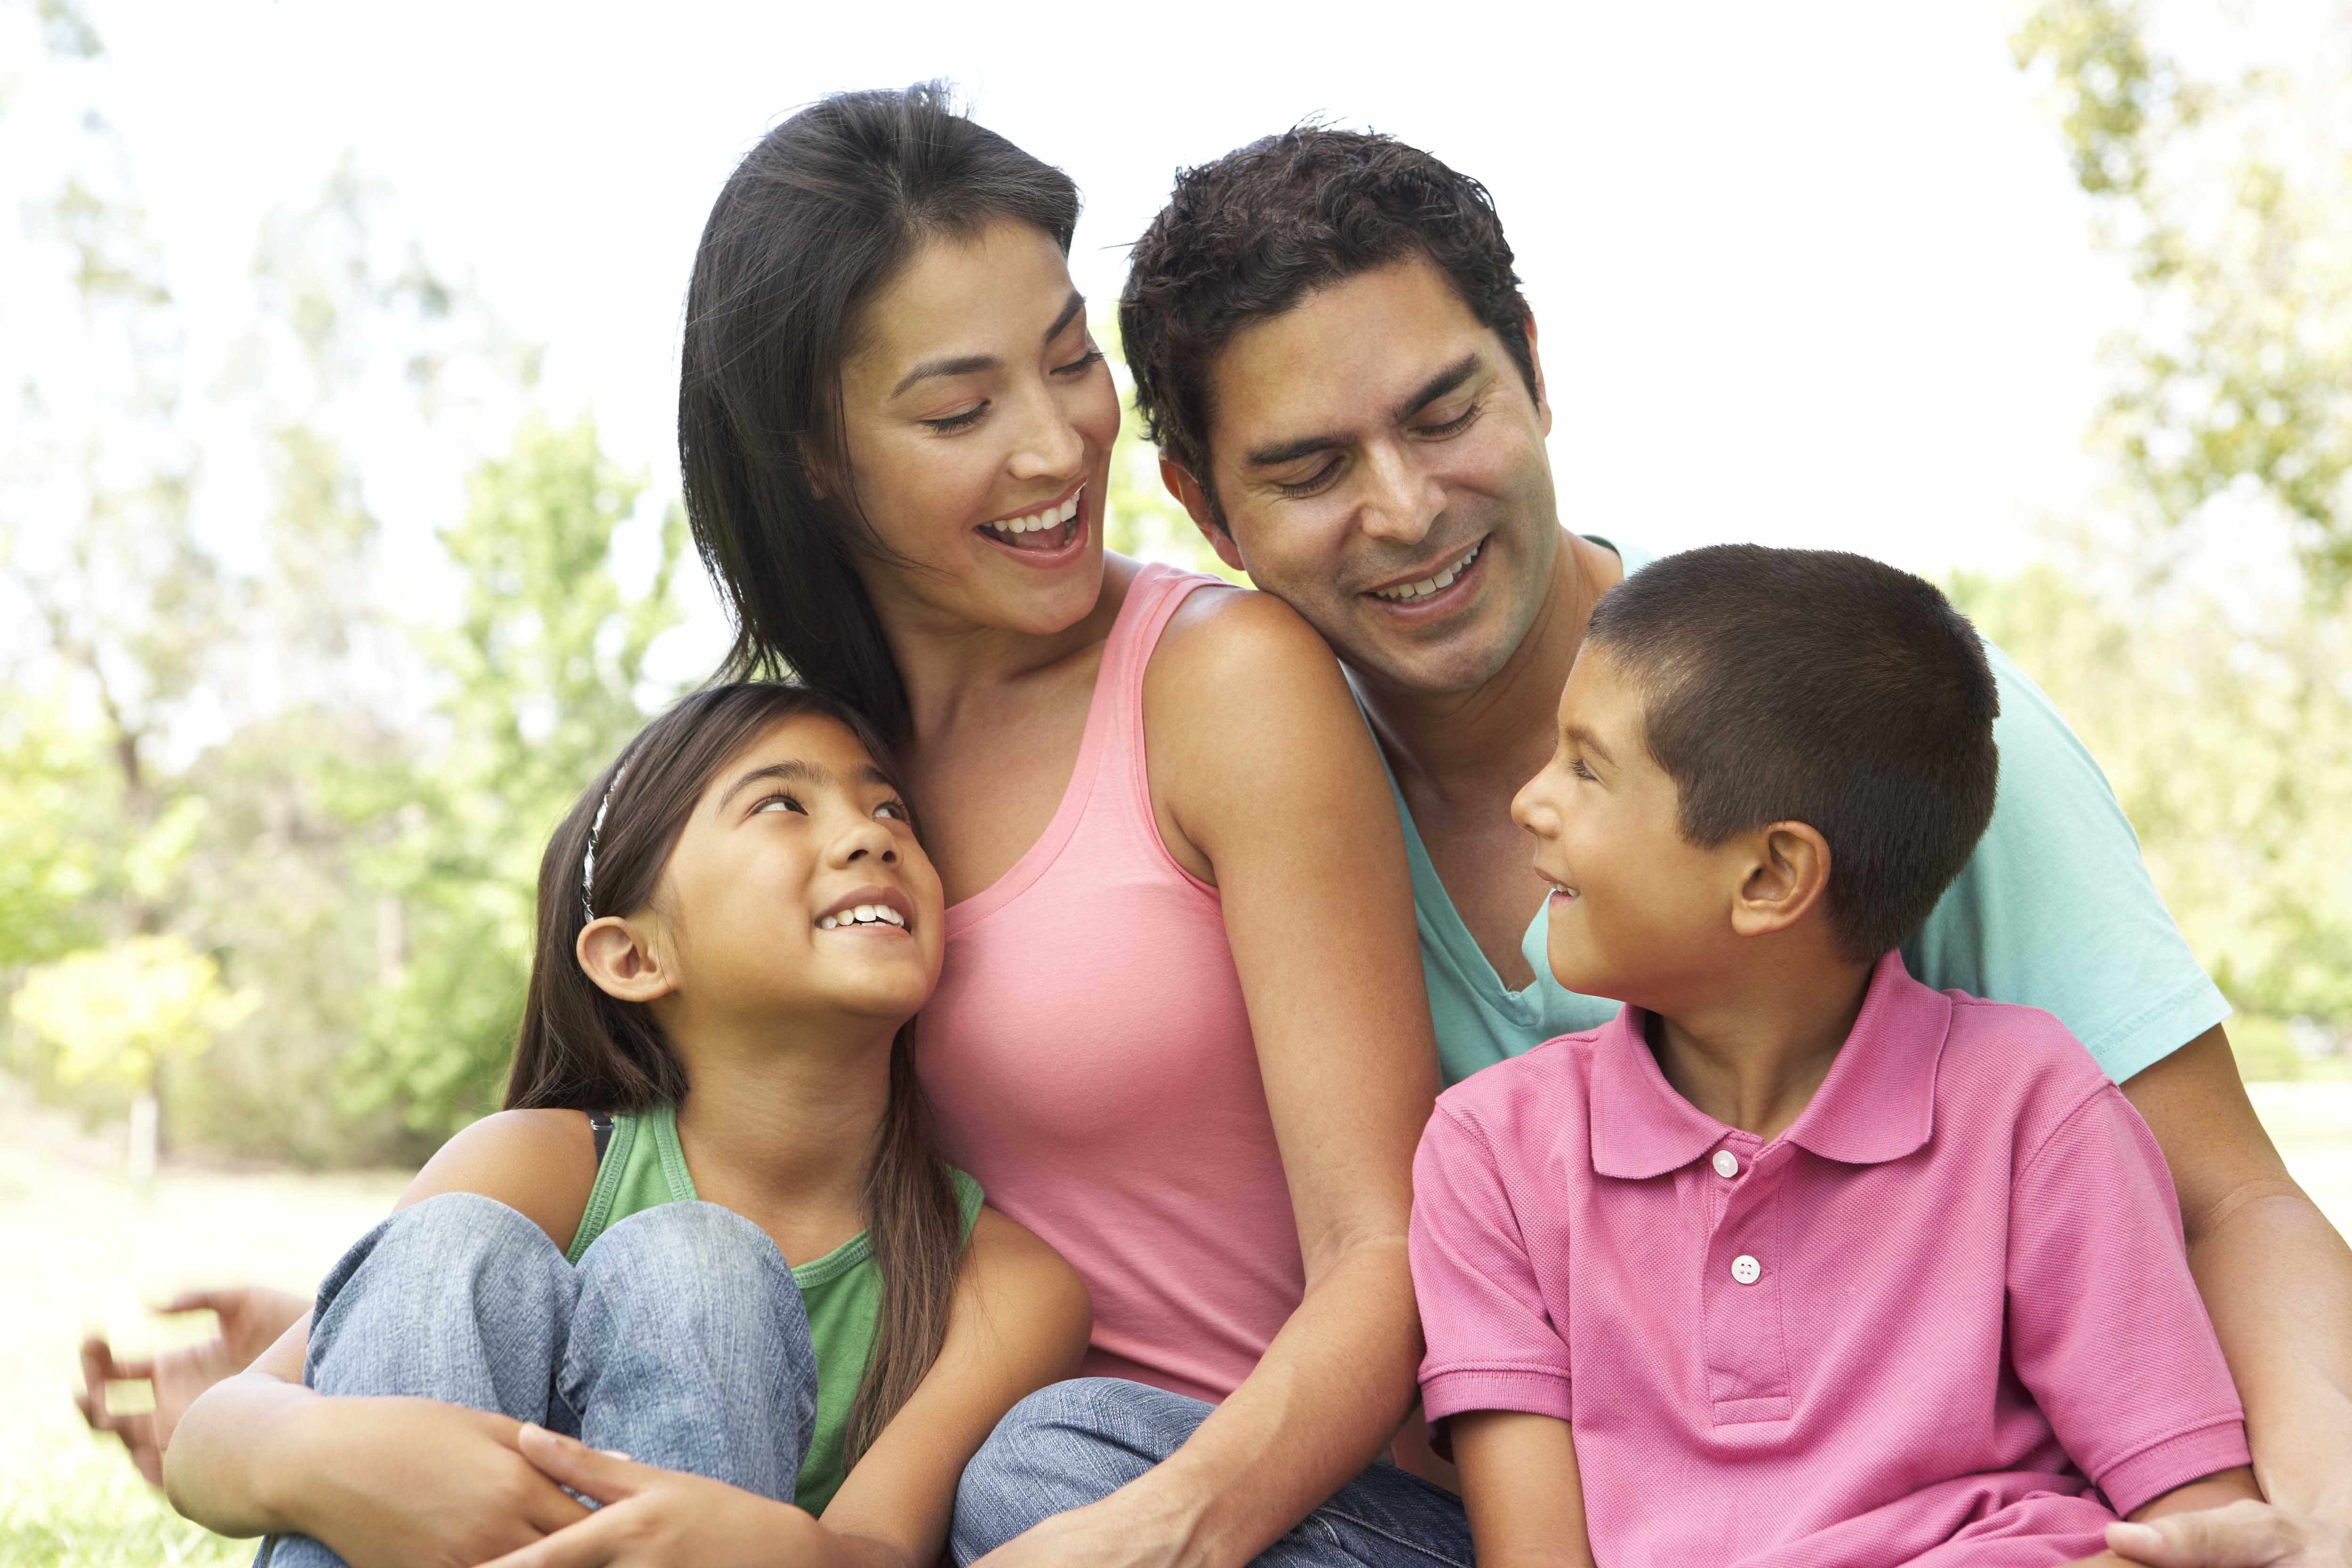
968 365
784 773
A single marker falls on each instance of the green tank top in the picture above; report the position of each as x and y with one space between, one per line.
643 1168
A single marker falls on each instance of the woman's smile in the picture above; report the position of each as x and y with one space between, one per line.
1050 535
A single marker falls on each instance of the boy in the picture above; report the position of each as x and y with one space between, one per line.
1775 1267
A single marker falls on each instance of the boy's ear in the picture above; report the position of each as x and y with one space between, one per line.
1787 876
1180 483
615 955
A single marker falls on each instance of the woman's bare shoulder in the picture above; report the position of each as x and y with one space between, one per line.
540 1163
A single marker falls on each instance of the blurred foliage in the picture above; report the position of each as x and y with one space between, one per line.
543 676
113 1015
2230 750
2226 198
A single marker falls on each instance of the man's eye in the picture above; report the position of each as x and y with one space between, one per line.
1307 487
1456 426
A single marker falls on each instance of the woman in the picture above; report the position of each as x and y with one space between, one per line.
1181 1034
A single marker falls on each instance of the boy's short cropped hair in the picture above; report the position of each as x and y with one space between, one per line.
1818 687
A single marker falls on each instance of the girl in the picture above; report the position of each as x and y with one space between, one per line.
710 1231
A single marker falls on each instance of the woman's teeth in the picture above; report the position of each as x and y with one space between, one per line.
1038 521
865 915
1405 592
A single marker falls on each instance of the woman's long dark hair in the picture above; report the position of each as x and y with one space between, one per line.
581 1049
815 220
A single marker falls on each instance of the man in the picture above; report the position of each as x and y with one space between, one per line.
1331 350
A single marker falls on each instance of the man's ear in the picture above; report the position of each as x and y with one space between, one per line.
1195 502
614 955
1785 876
1535 363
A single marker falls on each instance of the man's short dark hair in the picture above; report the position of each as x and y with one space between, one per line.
1817 686
1249 235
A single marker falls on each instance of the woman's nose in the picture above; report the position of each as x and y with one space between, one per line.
1050 445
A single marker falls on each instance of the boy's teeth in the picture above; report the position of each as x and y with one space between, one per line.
1407 592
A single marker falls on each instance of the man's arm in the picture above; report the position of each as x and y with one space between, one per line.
2274 1276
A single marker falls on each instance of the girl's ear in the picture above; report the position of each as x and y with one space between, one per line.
1788 875
616 956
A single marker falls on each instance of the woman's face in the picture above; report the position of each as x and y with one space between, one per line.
978 417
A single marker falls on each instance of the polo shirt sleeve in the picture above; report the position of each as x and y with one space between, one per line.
2105 1326
2055 909
1492 1341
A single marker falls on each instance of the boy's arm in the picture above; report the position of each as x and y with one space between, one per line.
1520 1484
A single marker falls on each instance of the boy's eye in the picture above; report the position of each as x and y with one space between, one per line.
779 802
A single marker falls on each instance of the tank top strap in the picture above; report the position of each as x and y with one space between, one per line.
1158 592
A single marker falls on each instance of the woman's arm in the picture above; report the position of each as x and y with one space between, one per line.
1019 1322
260 1453
1266 773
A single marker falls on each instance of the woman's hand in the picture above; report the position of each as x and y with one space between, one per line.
250 1318
666 1517
2243 1535
413 1483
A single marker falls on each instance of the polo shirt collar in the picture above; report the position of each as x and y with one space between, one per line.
1878 1103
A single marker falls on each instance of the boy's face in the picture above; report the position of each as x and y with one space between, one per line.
1637 913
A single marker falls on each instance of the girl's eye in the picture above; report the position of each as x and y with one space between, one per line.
1080 365
1576 766
895 810
779 802
955 422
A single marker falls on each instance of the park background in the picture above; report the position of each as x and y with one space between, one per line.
339 542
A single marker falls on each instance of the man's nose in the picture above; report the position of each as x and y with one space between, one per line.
1401 498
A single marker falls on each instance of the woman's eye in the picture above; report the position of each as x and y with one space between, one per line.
955 422
1080 365
779 802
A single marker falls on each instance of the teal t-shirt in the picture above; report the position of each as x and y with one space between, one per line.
2055 910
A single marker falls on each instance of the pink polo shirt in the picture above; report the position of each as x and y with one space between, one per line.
1920 1326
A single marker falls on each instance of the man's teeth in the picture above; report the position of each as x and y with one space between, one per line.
865 915
1407 592
1052 517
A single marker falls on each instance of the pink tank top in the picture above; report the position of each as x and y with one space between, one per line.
1091 1063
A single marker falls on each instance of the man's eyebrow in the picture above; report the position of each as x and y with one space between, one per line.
1590 742
1437 386
783 772
968 365
1429 391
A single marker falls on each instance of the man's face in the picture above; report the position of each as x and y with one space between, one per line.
1381 466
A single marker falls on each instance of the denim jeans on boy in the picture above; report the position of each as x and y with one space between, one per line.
1076 1442
679 1338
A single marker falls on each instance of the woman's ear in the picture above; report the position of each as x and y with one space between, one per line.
614 955
1787 877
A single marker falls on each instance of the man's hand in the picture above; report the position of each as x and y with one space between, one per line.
251 1318
2243 1535
356 1470
664 1517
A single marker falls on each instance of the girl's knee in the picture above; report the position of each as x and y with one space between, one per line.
690 1247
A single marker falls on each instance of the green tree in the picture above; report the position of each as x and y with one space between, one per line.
545 680
2227 199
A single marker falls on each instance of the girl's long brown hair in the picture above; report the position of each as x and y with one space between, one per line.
581 1049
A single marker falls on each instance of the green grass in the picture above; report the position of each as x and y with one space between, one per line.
82 1249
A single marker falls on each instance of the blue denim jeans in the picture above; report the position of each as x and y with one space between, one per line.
679 1338
1077 1442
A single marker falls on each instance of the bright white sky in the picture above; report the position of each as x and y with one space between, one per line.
1805 274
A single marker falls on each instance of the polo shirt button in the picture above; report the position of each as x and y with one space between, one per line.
1726 1165
1746 1270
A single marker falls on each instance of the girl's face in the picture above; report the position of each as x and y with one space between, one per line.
978 418
797 888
